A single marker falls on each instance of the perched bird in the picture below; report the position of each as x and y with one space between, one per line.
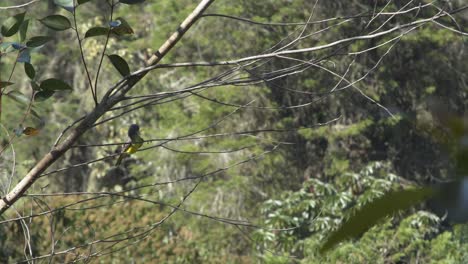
135 143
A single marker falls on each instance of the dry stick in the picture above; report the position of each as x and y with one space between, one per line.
113 155
6 186
103 51
2 91
100 109
297 51
17 6
114 238
99 195
85 66
286 24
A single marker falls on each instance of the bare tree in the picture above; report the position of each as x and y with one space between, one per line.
293 53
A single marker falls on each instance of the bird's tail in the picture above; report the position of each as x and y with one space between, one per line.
121 157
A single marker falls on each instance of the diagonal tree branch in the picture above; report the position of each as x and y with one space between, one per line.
107 103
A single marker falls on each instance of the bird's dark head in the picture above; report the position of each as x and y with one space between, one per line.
133 130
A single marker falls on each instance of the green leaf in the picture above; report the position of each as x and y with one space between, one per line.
43 95
6 47
31 131
131 2
56 22
96 31
53 84
22 99
38 41
80 2
120 64
12 24
29 70
24 29
65 4
35 86
369 214
5 84
18 97
123 29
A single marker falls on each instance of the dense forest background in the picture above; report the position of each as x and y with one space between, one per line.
281 160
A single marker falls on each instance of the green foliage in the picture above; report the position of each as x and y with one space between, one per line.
317 208
368 215
300 192
120 64
96 31
38 41
56 22
12 24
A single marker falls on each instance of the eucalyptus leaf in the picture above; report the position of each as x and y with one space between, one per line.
29 70
5 84
35 86
80 2
56 22
53 84
18 97
24 29
43 95
65 4
12 24
97 31
24 100
368 215
120 64
31 131
131 2
38 41
6 47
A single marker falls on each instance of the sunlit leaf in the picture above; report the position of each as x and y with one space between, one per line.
80 2
24 29
35 86
120 64
368 215
38 41
23 100
29 70
18 97
65 4
5 84
31 131
53 84
12 24
6 47
96 31
43 95
131 2
56 22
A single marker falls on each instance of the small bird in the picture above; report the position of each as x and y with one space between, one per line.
135 143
